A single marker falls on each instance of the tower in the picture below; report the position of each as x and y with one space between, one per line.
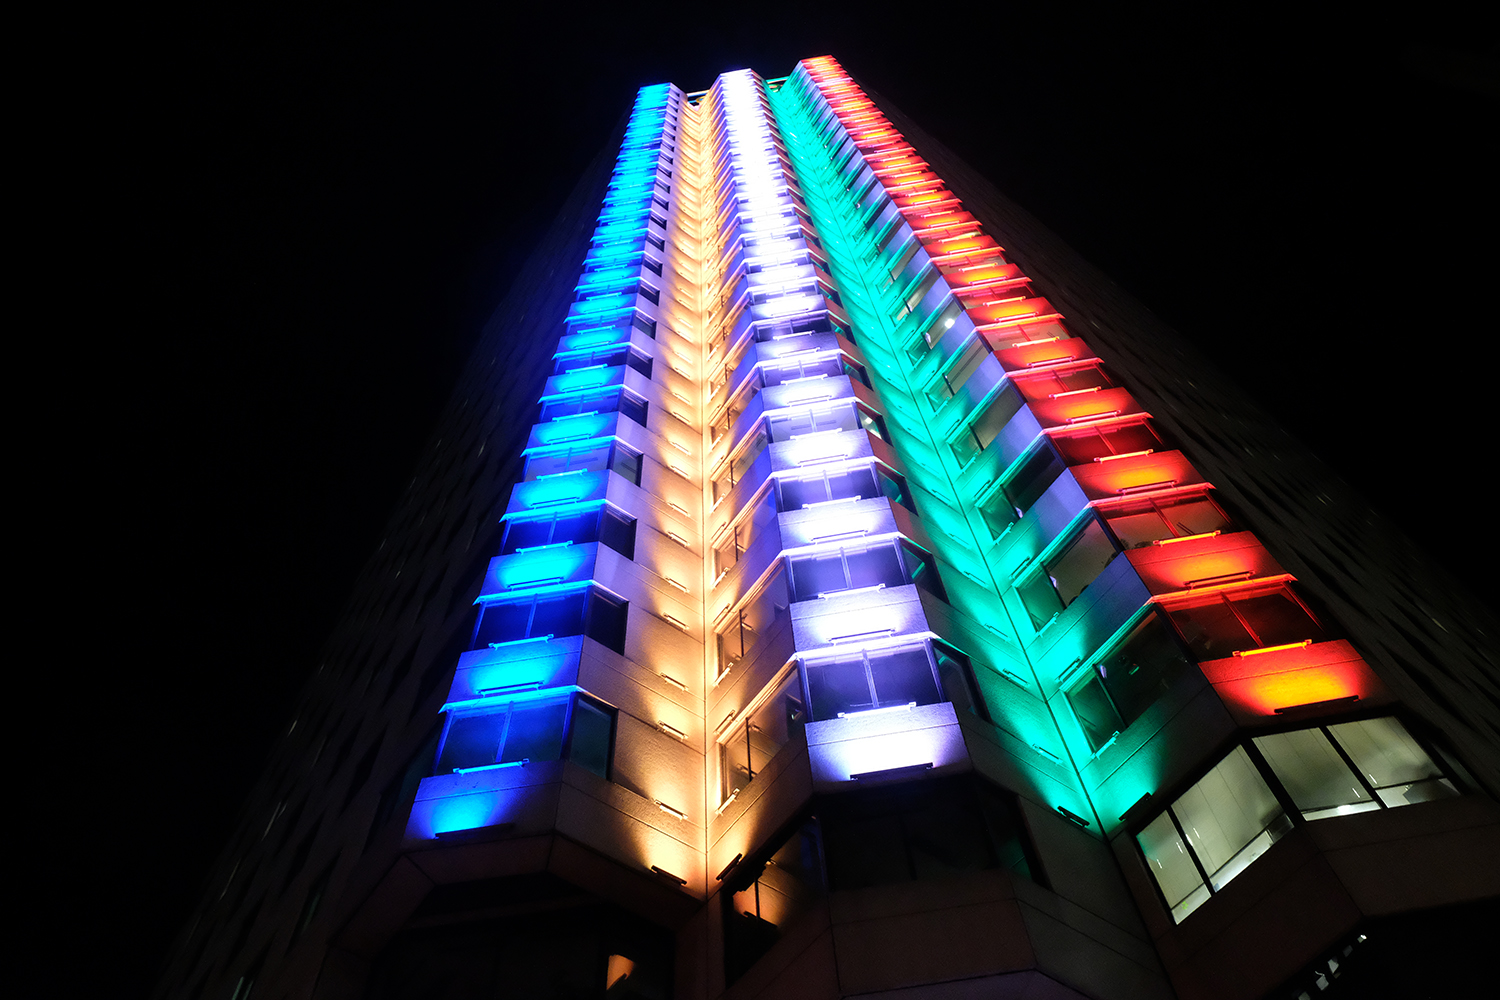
882 603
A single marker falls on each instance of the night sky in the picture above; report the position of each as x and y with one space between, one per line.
319 207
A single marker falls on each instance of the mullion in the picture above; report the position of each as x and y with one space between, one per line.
1208 882
1358 773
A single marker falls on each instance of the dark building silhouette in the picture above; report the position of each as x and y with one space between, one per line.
825 583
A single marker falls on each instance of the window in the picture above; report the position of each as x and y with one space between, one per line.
956 676
626 463
604 357
573 527
1061 383
772 723
605 401
957 372
1217 828
1218 626
740 462
1211 833
761 900
1142 522
849 568
988 419
857 483
1353 767
921 830
746 532
1065 573
593 458
589 611
1104 443
1124 682
870 679
745 627
554 726
846 416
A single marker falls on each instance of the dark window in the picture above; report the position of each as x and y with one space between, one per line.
768 727
1012 498
553 614
605 401
626 463
607 616
617 530
988 419
1145 521
1066 573
956 675
762 899
531 731
744 628
633 407
870 679
1125 681
921 830
1218 626
1105 443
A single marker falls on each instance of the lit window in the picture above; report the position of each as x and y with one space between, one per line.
1353 767
1212 833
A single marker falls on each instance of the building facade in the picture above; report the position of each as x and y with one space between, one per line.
827 585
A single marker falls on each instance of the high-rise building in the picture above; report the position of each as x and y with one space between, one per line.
824 584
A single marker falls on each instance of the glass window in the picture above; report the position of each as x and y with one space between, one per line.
1095 444
745 533
626 464
1315 775
1010 500
1354 766
1218 626
554 614
761 901
986 423
606 620
853 483
768 727
530 731
1145 521
606 401
956 675
1212 832
1066 573
744 628
921 830
956 372
577 527
848 569
1126 681
555 463
867 680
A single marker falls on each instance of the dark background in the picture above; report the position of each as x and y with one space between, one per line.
312 209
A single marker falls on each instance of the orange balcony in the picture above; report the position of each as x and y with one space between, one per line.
1277 685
